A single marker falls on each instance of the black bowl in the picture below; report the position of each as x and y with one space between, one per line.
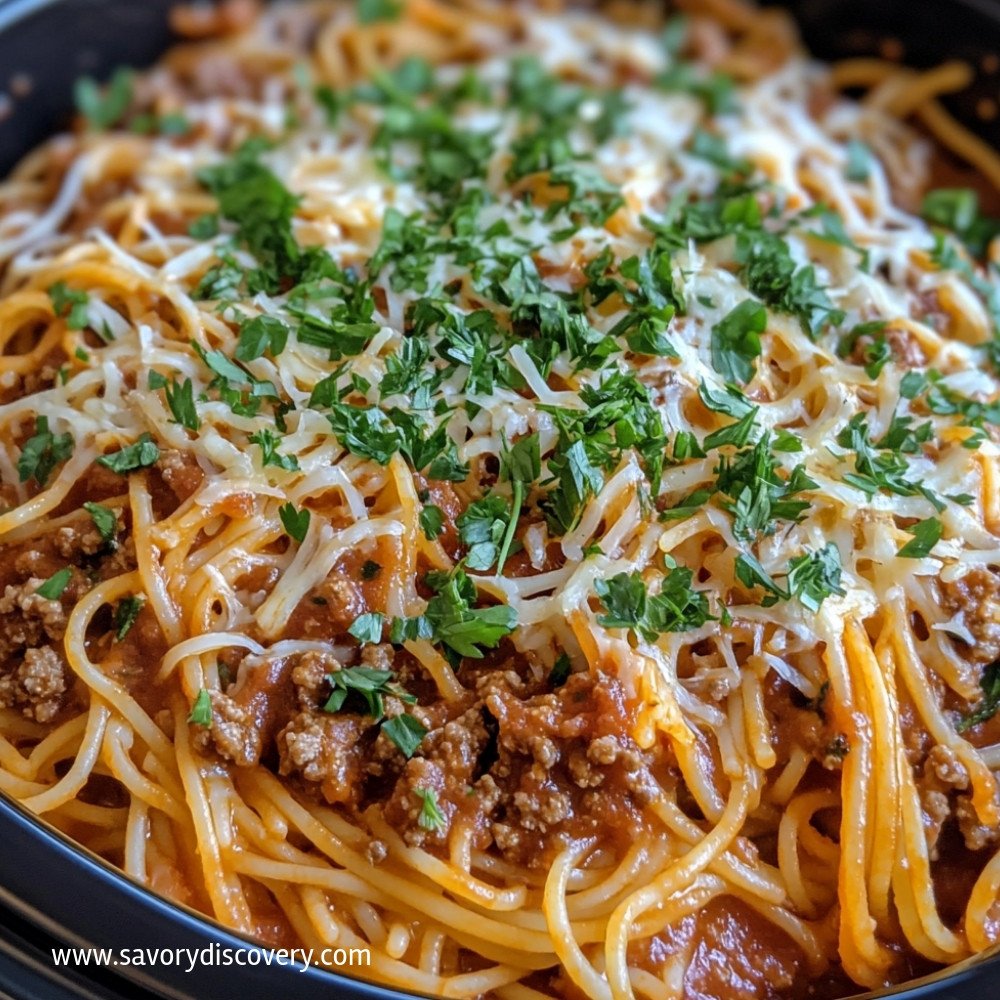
55 894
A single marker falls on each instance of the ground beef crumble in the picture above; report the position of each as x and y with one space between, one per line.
38 677
977 596
38 685
525 768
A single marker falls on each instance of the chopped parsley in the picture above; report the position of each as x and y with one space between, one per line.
368 685
126 614
295 522
451 619
430 817
431 521
859 162
105 520
139 455
811 577
990 703
261 335
957 209
482 527
267 441
104 107
560 671
926 534
880 465
756 494
367 628
253 198
42 452
201 710
736 341
180 399
370 11
406 732
772 275
70 304
676 608
815 576
52 589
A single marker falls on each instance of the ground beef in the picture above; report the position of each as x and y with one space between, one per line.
233 733
33 674
74 540
446 765
309 678
527 768
181 472
941 774
38 686
977 835
27 614
326 750
977 596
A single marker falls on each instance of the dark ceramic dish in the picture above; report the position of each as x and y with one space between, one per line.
52 893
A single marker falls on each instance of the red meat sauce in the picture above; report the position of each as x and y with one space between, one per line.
524 767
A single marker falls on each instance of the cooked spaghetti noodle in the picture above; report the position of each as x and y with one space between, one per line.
513 488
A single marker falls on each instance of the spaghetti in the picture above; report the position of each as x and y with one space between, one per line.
513 488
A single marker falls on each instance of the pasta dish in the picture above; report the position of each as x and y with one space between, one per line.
514 487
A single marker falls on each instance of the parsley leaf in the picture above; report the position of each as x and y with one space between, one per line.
752 574
431 817
105 520
957 209
365 430
104 107
859 162
758 495
42 452
201 710
126 614
205 227
295 522
676 608
708 146
431 521
521 462
771 274
560 671
250 195
578 479
482 527
815 576
406 732
139 455
736 341
268 442
368 684
926 534
70 303
367 628
52 589
987 708
259 335
180 399
880 466
370 11
451 620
